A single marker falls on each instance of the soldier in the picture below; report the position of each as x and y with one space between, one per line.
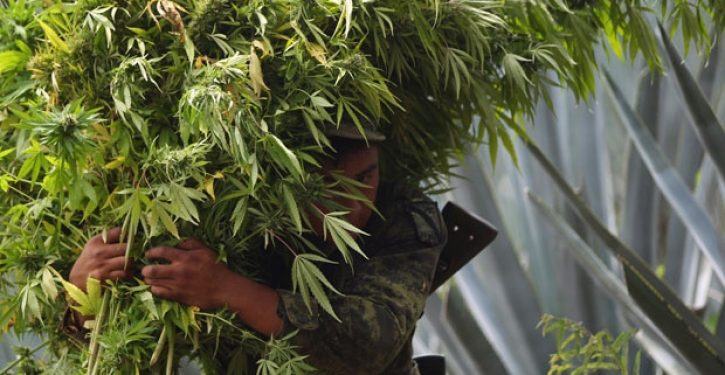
382 299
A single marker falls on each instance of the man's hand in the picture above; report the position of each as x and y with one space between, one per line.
193 276
101 260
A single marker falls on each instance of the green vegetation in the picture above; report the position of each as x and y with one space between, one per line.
578 351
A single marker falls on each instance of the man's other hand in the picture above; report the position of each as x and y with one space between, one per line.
101 260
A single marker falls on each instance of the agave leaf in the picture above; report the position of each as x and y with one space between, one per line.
474 329
681 264
655 297
706 125
664 325
457 331
671 362
674 190
505 295
637 229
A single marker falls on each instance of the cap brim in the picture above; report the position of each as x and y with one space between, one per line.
351 132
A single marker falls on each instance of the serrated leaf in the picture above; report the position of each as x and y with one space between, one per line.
29 303
189 50
286 157
53 37
167 221
11 60
310 280
240 210
320 295
315 271
340 230
319 101
514 71
508 145
47 283
291 204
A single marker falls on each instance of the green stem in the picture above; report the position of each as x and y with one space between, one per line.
170 353
93 346
56 236
159 347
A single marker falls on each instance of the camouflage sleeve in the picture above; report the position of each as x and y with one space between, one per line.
383 298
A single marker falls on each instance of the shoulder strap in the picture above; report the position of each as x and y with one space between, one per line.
468 235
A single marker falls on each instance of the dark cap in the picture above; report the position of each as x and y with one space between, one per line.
348 130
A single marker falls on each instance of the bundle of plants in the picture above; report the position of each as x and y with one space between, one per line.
208 119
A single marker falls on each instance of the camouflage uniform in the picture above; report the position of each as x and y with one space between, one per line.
383 297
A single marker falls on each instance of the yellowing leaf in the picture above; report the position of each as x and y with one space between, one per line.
77 295
255 73
263 46
102 132
317 52
53 37
115 163
209 187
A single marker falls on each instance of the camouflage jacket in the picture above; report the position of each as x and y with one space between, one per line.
383 297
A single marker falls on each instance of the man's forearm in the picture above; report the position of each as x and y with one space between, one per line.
255 304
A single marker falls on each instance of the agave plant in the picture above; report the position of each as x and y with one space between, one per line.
637 168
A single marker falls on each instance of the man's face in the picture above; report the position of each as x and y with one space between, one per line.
359 164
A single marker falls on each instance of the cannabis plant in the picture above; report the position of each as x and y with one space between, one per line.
208 118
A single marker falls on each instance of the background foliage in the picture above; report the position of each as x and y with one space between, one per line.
486 321
171 118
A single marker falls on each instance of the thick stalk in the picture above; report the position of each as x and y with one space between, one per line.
93 346
170 355
159 347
